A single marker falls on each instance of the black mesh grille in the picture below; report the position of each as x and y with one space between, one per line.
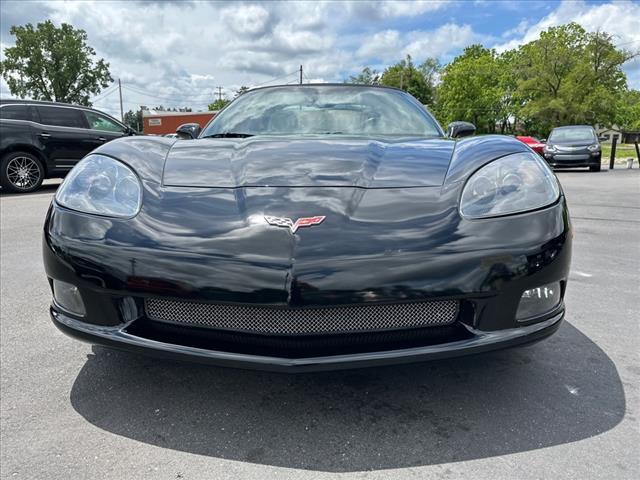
304 321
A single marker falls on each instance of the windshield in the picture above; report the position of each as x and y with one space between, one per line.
322 110
572 134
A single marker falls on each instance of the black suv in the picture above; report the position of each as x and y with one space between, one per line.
41 140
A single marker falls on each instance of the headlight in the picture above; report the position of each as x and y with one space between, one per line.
550 148
593 148
511 184
103 186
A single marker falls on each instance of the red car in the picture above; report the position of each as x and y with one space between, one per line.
535 144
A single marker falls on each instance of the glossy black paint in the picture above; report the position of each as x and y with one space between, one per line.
308 162
58 148
478 342
188 131
460 129
392 234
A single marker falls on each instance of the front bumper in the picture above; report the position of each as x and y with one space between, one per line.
479 341
573 160
484 265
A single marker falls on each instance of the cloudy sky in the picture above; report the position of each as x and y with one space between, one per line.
177 53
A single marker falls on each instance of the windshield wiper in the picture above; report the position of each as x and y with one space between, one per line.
229 135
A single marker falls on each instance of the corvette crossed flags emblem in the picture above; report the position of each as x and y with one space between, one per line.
291 225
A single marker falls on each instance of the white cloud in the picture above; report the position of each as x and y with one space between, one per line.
385 9
381 45
519 29
620 18
398 8
444 39
392 45
176 53
251 20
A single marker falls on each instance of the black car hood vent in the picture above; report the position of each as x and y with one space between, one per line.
308 162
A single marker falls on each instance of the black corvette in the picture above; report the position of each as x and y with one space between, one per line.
310 227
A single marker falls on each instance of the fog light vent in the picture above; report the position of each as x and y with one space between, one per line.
538 301
68 297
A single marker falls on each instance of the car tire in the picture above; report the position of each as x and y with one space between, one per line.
21 172
594 168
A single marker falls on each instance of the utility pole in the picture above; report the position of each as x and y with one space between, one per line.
121 112
401 72
219 93
300 74
142 109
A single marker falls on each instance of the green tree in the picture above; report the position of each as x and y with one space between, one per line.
134 119
628 110
55 64
430 69
509 103
241 90
475 87
570 76
418 81
218 104
366 77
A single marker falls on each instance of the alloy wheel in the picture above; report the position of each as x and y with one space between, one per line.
23 172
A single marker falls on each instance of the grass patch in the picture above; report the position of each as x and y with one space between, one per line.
623 151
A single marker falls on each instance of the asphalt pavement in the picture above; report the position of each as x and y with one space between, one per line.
563 408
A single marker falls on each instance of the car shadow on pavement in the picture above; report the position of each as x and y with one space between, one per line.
558 391
45 188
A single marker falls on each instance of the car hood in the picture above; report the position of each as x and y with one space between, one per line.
308 162
581 143
374 244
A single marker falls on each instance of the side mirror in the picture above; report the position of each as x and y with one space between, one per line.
188 131
544 140
460 129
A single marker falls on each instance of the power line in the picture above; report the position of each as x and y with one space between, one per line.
627 43
276 78
203 97
188 98
105 93
121 111
139 90
161 97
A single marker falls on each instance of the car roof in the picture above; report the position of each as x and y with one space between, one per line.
344 85
40 102
18 101
573 126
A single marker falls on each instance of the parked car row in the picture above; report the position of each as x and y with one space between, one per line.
535 144
569 147
41 140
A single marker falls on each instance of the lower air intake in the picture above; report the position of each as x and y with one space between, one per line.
305 320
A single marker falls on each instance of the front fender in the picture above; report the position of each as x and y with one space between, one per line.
146 155
471 153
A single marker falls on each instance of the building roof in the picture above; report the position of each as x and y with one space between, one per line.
164 113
